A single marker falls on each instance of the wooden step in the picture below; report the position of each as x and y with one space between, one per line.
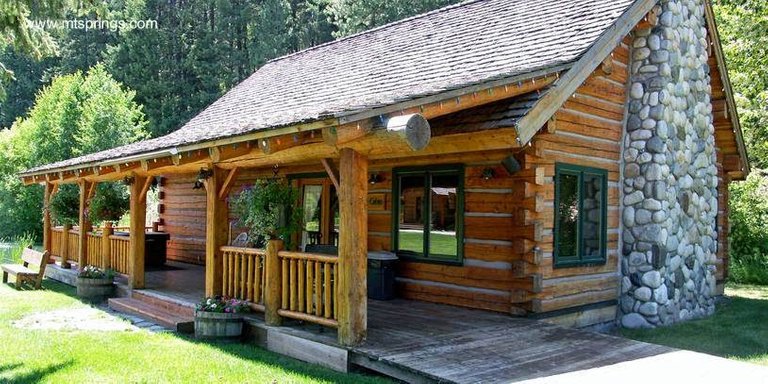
169 304
154 313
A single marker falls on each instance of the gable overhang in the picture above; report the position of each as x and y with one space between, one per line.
717 48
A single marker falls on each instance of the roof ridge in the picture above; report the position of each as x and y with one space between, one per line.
376 29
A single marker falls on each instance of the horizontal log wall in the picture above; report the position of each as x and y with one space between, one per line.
182 211
587 131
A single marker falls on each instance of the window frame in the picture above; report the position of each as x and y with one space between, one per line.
424 256
579 260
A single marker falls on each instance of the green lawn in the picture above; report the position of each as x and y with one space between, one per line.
737 330
30 356
440 244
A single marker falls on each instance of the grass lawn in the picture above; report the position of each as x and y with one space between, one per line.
737 330
440 244
29 355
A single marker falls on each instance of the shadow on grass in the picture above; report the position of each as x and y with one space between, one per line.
737 329
35 376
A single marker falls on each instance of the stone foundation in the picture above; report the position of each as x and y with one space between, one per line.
670 178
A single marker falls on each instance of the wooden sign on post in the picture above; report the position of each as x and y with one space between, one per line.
377 201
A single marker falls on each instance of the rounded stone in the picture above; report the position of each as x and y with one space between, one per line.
637 91
655 145
649 309
643 216
629 216
652 279
634 321
631 170
643 294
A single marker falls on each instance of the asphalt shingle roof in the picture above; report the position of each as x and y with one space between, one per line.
450 48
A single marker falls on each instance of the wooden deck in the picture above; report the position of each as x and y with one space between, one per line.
424 342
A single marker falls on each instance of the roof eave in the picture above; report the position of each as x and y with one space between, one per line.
727 88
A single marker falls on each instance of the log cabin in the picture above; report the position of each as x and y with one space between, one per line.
563 160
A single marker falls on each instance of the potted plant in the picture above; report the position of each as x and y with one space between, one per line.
220 318
268 209
110 202
94 283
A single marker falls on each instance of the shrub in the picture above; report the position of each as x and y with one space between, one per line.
748 216
65 205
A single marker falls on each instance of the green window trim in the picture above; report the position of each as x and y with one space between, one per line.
579 259
425 256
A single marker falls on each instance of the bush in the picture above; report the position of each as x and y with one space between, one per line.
65 205
748 239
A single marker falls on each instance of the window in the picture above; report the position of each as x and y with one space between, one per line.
428 213
580 215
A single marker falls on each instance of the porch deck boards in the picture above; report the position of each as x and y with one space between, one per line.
180 280
451 344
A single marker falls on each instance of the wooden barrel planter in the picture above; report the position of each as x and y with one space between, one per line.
95 289
218 326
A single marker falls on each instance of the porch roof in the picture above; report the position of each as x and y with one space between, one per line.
461 46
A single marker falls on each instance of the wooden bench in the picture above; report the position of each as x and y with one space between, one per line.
25 272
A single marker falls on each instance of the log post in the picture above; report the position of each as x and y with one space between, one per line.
138 214
353 248
216 225
47 229
65 246
106 232
85 225
273 283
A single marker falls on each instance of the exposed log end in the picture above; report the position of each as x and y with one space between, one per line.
414 129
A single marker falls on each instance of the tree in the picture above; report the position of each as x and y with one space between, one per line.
75 115
353 16
742 25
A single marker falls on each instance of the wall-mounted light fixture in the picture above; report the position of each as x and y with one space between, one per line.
201 177
375 178
488 173
128 180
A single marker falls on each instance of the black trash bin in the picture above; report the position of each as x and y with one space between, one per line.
381 275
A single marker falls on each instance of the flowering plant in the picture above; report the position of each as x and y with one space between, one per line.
223 304
93 272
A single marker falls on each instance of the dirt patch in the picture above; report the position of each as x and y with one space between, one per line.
76 319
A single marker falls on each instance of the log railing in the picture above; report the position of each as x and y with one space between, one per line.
244 274
308 289
306 282
119 251
73 242
56 235
93 251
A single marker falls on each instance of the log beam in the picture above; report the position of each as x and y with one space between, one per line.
47 228
332 174
353 248
273 283
228 183
216 219
85 225
138 213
